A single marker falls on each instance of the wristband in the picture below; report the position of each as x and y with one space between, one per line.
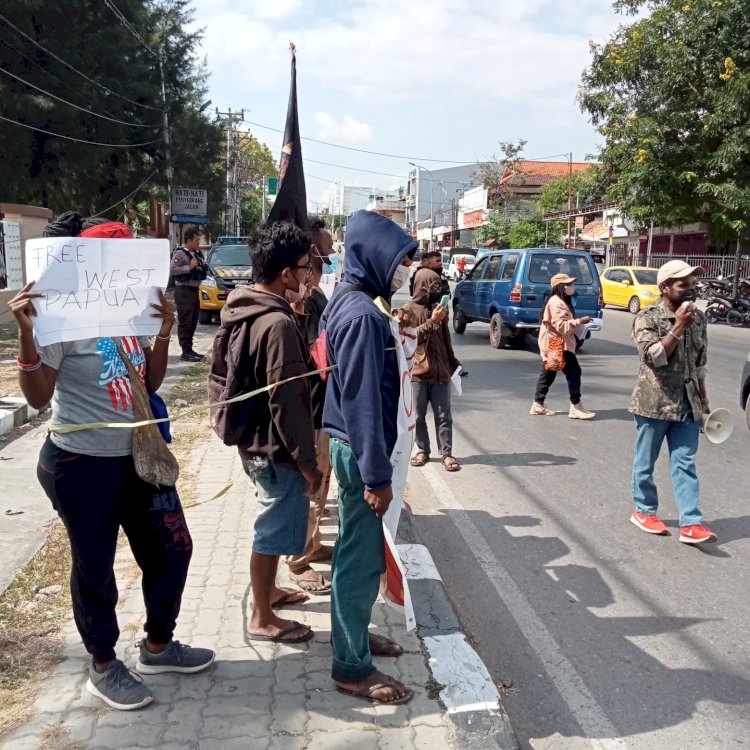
31 366
671 333
163 338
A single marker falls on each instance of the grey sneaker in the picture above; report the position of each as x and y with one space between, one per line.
118 687
540 410
174 658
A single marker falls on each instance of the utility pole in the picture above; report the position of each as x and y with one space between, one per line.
570 196
263 200
231 215
167 149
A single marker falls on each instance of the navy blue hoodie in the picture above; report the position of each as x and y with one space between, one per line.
362 396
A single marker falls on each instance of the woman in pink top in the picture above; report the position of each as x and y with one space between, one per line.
558 320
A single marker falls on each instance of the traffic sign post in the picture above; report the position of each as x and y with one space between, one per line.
189 206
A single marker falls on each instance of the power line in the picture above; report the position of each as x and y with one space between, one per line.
70 104
80 140
124 21
75 70
365 151
122 200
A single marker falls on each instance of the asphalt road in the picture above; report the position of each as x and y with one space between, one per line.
605 637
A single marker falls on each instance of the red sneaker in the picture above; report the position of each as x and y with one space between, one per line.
651 524
696 534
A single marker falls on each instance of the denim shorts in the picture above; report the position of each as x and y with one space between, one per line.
282 510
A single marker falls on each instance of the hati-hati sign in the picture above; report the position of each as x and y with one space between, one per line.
94 288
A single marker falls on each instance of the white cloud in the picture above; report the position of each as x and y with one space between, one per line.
346 131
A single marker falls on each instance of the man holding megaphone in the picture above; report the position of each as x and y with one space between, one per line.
669 400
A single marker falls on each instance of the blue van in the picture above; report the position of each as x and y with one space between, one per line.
508 289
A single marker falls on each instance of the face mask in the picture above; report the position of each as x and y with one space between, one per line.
687 295
291 297
400 277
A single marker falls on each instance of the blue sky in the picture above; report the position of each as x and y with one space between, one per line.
427 79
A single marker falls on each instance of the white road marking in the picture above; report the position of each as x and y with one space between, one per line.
592 719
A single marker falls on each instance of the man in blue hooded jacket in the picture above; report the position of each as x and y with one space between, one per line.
360 415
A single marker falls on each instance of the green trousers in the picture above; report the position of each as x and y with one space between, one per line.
358 563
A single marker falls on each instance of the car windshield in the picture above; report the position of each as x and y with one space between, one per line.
230 255
543 266
647 278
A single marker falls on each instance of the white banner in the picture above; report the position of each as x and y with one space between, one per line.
395 587
94 288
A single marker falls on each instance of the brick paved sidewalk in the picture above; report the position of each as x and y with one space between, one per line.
265 696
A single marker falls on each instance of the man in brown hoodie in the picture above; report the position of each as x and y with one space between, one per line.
278 450
433 386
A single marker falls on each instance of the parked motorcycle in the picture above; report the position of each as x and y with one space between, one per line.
718 309
739 315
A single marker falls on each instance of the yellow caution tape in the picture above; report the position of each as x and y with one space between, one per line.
66 428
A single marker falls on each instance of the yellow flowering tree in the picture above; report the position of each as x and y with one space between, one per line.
670 94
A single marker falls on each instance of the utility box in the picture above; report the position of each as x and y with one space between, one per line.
11 262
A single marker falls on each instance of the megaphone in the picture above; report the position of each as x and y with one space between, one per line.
718 425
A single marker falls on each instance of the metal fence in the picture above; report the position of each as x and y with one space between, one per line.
713 265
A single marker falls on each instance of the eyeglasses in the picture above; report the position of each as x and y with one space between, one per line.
308 268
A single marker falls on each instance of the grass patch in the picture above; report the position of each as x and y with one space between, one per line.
188 392
30 626
8 354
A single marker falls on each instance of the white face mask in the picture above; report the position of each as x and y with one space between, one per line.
400 277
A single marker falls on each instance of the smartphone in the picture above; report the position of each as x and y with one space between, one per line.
445 301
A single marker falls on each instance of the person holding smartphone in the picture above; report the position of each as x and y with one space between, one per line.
435 362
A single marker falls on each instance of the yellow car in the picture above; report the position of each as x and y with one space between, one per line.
229 265
633 287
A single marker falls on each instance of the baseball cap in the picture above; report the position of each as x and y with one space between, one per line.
676 269
561 278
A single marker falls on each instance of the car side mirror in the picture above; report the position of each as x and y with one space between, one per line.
625 282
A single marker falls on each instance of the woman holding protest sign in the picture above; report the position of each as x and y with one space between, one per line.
93 483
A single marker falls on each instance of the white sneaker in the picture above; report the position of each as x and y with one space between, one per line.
579 411
540 410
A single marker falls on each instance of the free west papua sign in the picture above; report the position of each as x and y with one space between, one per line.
189 206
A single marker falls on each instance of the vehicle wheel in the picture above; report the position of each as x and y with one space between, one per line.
459 322
634 305
713 315
206 317
735 319
498 337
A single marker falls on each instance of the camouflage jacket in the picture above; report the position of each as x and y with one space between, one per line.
663 381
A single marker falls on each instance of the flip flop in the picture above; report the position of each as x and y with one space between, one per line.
279 637
367 693
290 597
314 592
382 646
453 465
417 461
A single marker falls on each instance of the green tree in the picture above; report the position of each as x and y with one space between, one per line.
120 103
501 195
530 232
497 228
256 162
671 94
587 187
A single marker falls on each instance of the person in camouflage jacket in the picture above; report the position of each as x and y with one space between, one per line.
669 401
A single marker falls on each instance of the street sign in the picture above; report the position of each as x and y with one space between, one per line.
273 185
189 205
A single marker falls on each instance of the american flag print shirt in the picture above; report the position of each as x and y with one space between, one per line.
114 373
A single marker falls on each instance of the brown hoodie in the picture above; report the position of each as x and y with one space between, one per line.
435 337
276 351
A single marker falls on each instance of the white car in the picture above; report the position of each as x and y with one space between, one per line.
452 272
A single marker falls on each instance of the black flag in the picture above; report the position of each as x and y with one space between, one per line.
291 199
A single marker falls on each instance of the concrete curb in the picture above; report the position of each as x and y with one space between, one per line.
14 411
466 689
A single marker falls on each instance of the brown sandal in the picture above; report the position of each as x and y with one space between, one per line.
367 693
382 646
420 459
451 464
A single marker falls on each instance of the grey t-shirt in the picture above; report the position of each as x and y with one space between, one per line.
93 386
